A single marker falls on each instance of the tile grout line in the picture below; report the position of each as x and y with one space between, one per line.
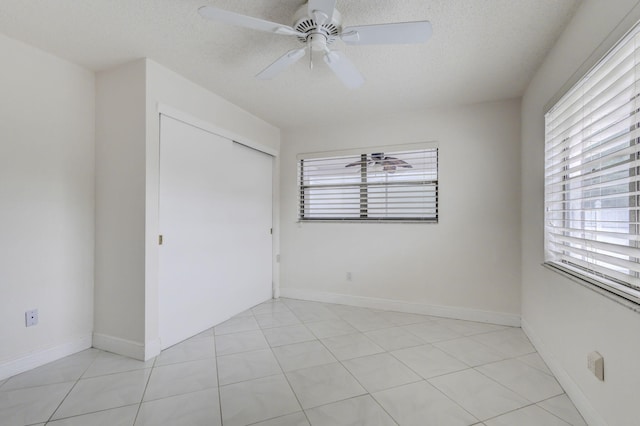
46 384
282 369
501 385
509 388
360 396
537 404
521 408
72 387
431 384
285 373
247 380
389 352
533 366
215 355
473 366
355 378
432 377
290 387
504 386
153 367
102 410
423 379
498 331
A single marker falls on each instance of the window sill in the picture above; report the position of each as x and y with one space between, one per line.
399 221
627 300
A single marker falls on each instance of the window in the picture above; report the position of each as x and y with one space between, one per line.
592 173
379 184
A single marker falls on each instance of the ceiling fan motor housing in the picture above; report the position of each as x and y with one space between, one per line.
306 24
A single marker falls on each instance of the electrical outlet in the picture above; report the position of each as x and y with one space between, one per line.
595 363
31 318
349 277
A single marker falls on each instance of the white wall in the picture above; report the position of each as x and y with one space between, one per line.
467 265
127 121
120 209
47 199
565 320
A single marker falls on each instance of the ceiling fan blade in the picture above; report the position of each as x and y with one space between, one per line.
321 10
344 69
398 33
283 62
221 15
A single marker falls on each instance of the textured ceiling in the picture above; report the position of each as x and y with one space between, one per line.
481 50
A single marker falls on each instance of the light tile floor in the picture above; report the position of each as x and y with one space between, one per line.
290 362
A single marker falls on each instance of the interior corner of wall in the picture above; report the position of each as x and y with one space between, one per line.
571 388
119 346
500 318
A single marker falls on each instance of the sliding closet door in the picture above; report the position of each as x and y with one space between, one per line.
252 221
215 220
194 275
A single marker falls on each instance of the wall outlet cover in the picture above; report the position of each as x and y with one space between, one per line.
595 363
31 317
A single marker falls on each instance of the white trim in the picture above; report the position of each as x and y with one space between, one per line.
594 285
208 127
620 30
119 346
152 348
571 388
358 151
376 221
500 318
45 356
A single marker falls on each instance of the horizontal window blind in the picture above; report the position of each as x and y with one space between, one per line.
592 174
370 186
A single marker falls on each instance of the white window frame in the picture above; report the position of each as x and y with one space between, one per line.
592 174
364 184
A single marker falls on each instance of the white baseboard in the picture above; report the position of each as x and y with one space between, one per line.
119 346
572 390
44 356
403 306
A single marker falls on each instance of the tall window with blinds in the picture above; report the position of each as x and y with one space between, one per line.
377 185
592 173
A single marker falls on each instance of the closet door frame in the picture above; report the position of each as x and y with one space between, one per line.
211 128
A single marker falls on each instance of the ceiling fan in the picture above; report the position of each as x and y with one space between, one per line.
389 164
317 24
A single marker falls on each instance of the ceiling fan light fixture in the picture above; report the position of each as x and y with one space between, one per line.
318 42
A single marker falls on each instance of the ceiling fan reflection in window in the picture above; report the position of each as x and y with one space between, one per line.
317 25
388 164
